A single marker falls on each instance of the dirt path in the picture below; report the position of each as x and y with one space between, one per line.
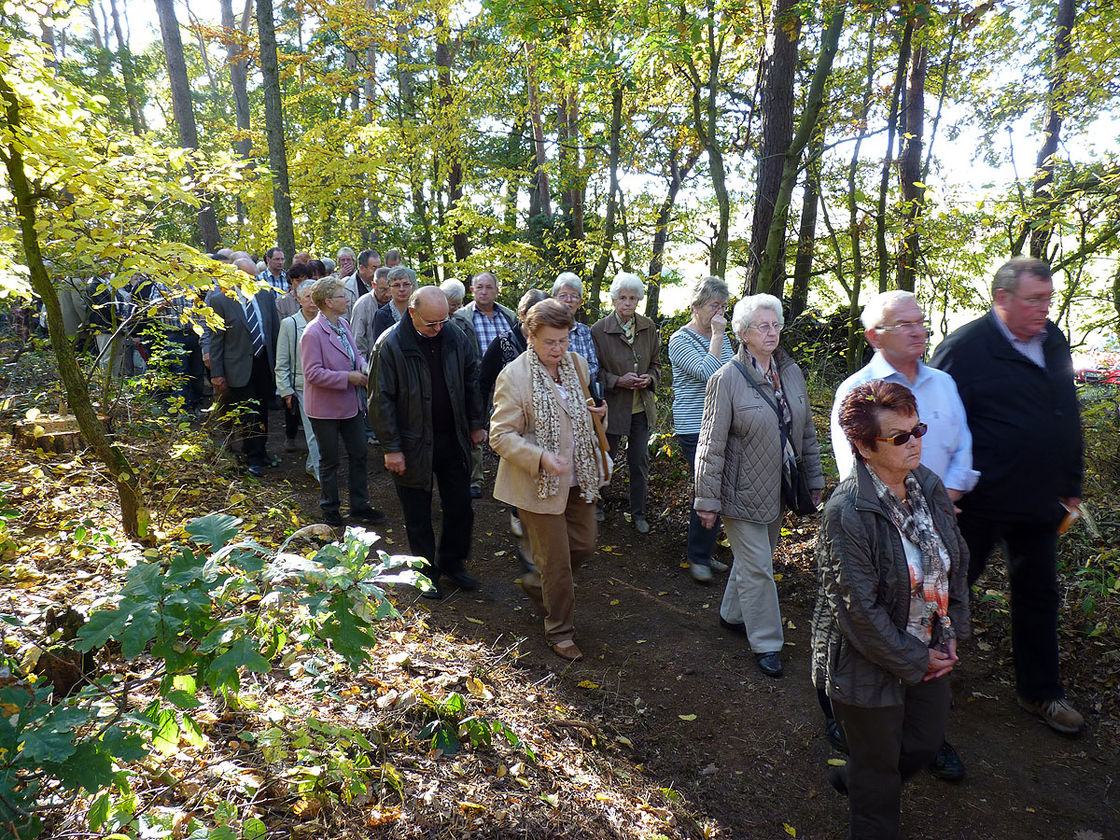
754 759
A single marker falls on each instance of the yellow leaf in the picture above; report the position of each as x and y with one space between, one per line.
472 620
790 830
32 413
471 806
837 762
687 717
614 603
778 576
588 684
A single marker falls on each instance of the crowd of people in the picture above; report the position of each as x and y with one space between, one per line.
939 463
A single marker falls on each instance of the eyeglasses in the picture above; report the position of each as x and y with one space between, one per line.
1035 301
569 297
767 328
433 323
340 296
400 285
901 438
922 326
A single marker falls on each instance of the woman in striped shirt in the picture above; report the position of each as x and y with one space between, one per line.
697 350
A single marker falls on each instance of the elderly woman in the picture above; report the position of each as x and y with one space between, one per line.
333 371
551 467
756 425
629 349
289 368
696 351
568 289
893 600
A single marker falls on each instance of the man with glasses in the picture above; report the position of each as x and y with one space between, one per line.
1015 376
402 283
426 409
895 325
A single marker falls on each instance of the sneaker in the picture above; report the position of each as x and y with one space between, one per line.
515 526
1058 714
700 573
600 514
641 524
947 765
476 492
719 566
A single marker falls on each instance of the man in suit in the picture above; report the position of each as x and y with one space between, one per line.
1015 376
242 361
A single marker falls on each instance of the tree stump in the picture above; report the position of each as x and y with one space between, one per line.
49 432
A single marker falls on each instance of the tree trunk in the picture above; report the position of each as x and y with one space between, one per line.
775 239
184 111
677 174
513 150
460 242
776 107
705 115
274 128
888 158
134 513
806 236
128 73
544 200
600 268
243 146
1038 225
910 171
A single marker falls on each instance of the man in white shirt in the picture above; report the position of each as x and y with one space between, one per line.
894 324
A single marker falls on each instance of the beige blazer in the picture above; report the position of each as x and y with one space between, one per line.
513 435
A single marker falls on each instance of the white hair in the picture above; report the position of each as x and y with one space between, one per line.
567 280
876 309
624 281
345 251
747 308
453 289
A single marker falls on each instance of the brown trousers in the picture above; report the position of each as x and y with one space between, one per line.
561 543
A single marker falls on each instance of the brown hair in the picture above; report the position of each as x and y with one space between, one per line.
531 297
863 405
324 289
548 313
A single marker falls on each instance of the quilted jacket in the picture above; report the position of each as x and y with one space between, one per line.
739 455
861 652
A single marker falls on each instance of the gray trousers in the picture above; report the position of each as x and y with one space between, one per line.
751 596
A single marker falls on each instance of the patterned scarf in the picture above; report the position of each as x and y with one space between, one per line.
916 524
548 411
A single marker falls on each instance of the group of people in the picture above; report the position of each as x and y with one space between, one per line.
939 463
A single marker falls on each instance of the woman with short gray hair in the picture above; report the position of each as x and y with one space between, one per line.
568 289
696 351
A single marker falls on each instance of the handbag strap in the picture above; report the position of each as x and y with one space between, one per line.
781 420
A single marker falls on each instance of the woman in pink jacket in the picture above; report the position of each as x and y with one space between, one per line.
333 371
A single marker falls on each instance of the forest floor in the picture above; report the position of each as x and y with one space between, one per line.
665 729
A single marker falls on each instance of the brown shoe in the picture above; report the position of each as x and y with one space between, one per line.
568 650
1058 714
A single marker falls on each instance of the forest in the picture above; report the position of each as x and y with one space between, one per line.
240 673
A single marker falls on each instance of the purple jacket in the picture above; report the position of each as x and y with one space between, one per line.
327 391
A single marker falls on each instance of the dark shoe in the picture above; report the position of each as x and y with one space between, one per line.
600 514
290 445
255 470
835 736
476 492
838 778
333 519
433 594
463 580
371 515
769 663
947 765
734 626
641 524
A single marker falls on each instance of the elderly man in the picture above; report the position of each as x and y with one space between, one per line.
1015 376
895 325
381 289
360 282
361 319
568 289
427 412
242 361
274 274
392 258
345 257
402 283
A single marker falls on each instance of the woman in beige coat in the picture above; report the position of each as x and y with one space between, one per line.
739 463
551 467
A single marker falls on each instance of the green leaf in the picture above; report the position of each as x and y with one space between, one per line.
90 767
214 530
102 625
123 746
445 741
166 738
99 812
243 653
51 739
191 733
182 699
253 829
141 629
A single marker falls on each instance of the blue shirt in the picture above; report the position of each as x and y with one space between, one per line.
946 447
487 330
692 366
580 341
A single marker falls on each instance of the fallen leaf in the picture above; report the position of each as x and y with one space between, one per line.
472 620
552 799
710 770
687 717
588 684
837 762
790 830
614 603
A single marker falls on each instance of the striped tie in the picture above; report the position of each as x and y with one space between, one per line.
254 328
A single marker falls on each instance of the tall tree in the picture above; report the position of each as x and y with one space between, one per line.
599 270
807 232
776 107
910 168
184 110
274 127
235 41
881 249
128 74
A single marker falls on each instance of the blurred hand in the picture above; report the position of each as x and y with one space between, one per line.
394 462
554 464
478 437
288 402
816 496
708 518
357 378
941 662
719 324
599 411
219 383
629 380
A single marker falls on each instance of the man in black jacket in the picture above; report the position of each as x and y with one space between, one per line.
1015 376
426 410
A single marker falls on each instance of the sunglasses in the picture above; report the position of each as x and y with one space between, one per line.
901 438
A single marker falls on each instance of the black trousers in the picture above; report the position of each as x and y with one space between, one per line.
352 431
886 746
701 540
637 458
252 399
1031 553
451 471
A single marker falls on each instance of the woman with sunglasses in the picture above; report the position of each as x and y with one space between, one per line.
892 603
756 426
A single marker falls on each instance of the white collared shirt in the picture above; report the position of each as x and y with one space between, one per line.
946 447
1031 347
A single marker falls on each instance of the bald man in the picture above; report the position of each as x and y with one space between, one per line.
426 409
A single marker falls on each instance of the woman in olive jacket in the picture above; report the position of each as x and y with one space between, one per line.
892 604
